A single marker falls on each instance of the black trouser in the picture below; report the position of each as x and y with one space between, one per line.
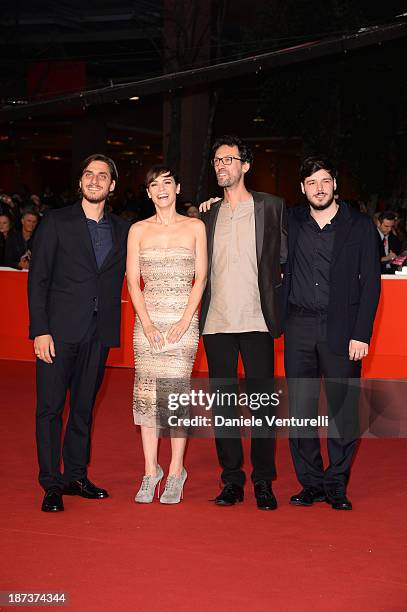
257 351
78 367
307 357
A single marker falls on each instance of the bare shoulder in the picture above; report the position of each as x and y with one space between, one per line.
137 229
141 225
196 224
197 227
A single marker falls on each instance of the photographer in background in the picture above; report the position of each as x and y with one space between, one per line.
19 244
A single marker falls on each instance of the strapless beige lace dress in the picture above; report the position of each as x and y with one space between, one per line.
167 274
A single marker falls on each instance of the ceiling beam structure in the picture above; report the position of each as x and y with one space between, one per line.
86 36
203 76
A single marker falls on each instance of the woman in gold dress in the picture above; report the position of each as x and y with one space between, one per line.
168 251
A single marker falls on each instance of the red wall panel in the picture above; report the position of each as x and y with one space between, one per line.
387 356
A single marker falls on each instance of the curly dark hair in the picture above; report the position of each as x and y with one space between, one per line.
245 153
314 163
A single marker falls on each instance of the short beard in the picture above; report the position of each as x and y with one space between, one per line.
226 182
95 198
322 206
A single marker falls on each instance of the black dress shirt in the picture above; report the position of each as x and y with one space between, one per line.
101 236
102 242
312 261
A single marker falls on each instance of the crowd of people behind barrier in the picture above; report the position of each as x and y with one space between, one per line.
20 216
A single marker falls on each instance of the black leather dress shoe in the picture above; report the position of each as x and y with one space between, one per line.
338 500
52 501
85 488
231 493
307 497
264 495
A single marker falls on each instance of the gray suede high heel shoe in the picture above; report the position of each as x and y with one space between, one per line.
145 493
174 489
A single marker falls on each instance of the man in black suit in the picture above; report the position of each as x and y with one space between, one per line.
19 243
241 309
331 290
389 244
74 291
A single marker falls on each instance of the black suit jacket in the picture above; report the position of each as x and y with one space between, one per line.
354 285
271 252
15 248
64 279
394 245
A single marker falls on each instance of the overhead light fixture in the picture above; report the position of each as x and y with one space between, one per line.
135 98
258 119
16 101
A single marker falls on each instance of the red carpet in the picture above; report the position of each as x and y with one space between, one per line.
115 555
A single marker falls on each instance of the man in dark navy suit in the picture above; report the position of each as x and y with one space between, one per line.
331 290
74 291
389 244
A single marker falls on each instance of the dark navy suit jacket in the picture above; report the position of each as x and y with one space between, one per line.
394 245
64 279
